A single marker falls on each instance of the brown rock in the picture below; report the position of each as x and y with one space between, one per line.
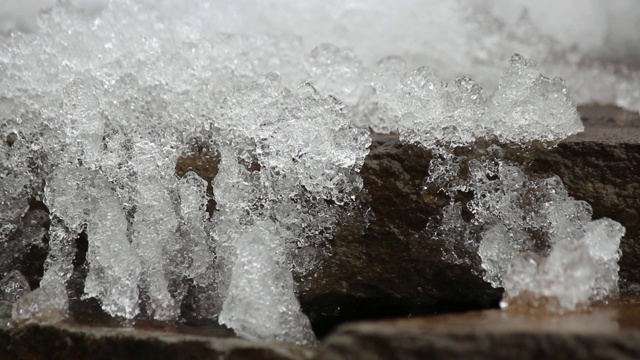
11 138
609 332
204 161
67 341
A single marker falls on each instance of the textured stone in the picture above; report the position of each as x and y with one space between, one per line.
72 341
607 332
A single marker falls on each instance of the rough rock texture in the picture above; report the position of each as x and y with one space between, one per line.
604 333
67 341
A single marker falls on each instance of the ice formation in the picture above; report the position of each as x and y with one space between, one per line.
13 286
509 213
590 254
96 108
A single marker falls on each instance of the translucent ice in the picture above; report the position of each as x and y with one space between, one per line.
13 286
97 106
114 270
154 226
517 222
526 107
48 302
292 153
270 307
196 253
591 262
17 132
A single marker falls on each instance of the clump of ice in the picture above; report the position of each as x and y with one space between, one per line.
13 286
96 108
456 113
511 213
292 155
590 257
104 127
270 307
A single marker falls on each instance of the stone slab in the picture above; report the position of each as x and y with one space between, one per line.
71 341
605 332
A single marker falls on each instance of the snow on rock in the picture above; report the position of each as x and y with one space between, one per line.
97 104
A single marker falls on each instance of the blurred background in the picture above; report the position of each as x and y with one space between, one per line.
603 29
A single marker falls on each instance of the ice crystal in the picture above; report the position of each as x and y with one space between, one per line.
98 104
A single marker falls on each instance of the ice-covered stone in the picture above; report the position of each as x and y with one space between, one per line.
97 106
510 213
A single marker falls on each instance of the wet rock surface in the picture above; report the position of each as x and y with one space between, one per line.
605 332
